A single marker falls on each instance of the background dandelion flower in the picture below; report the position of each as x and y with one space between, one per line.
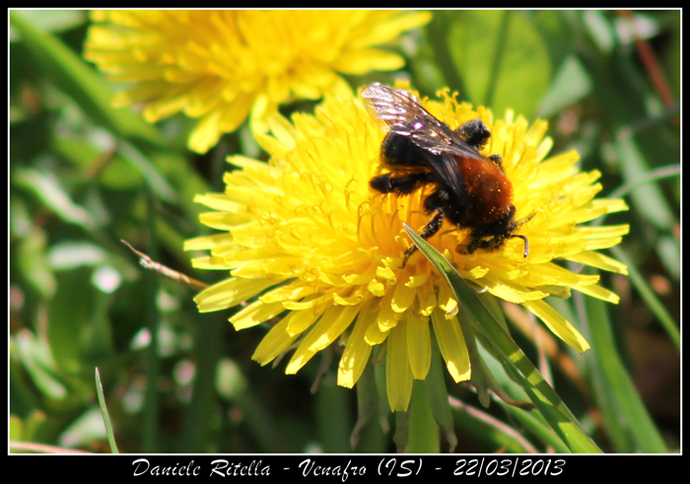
221 66
308 236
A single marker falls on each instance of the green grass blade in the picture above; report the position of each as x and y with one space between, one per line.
104 412
650 298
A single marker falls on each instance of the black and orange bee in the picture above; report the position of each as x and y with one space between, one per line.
471 191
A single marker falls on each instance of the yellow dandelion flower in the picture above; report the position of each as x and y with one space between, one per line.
317 245
222 66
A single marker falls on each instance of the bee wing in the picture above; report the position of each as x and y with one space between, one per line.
445 166
400 112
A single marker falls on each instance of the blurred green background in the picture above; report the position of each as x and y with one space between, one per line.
84 175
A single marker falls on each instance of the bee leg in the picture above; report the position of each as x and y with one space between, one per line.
431 227
400 185
477 242
492 244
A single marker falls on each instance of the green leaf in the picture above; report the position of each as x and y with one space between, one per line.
571 84
501 58
38 362
47 188
539 391
617 385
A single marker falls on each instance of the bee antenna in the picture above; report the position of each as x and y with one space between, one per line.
526 243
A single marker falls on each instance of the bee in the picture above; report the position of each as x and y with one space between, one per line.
469 190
